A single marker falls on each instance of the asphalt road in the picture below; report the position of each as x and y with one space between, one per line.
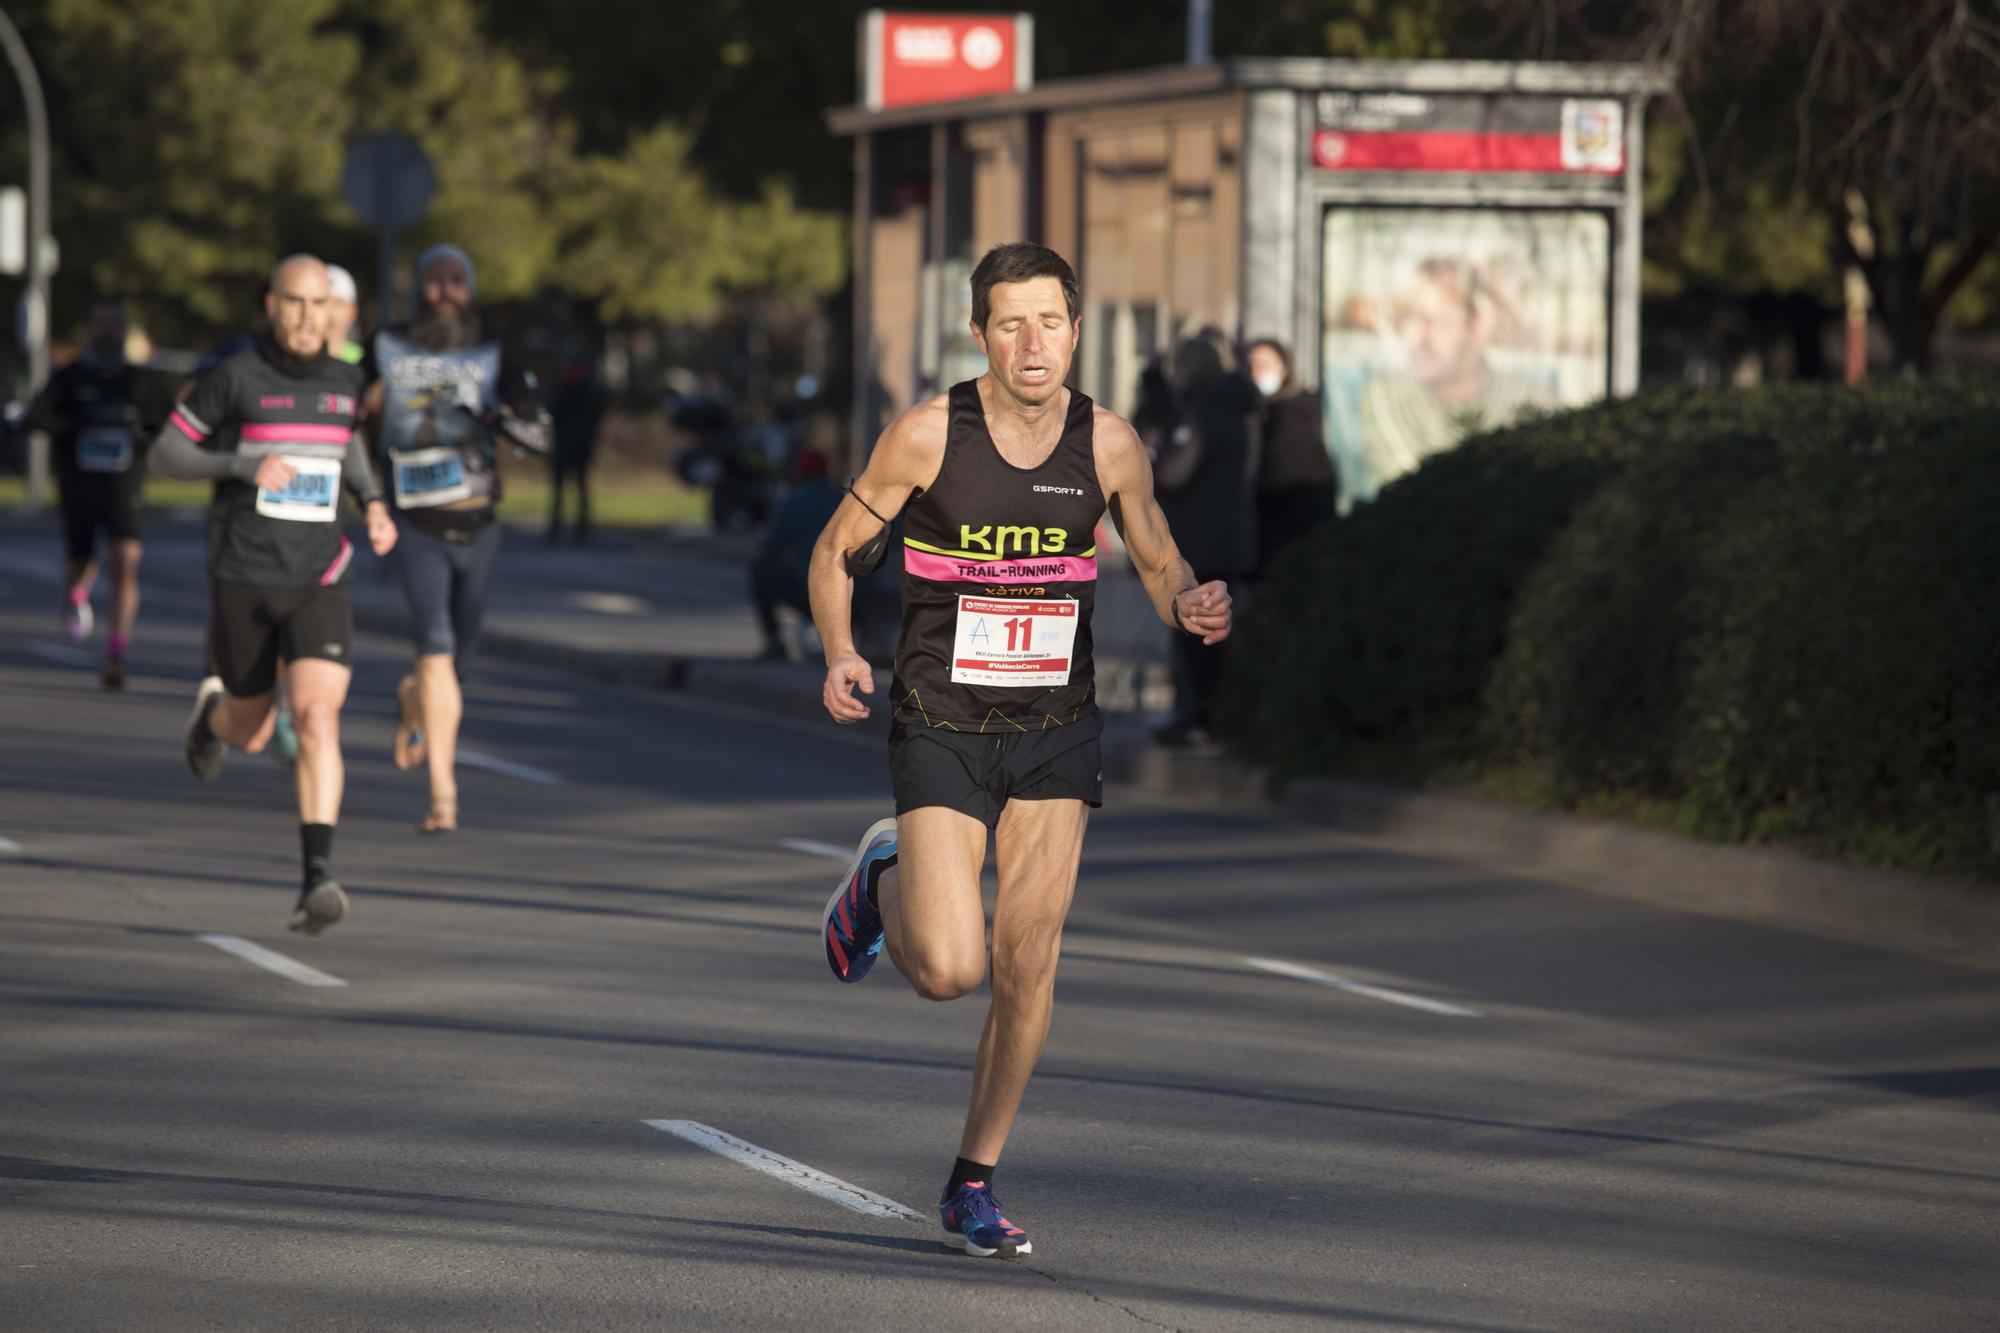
1444 1099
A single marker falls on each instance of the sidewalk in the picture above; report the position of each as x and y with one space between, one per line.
670 610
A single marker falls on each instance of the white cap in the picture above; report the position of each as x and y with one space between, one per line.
342 283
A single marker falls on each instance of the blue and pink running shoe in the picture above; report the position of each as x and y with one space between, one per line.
973 1216
851 927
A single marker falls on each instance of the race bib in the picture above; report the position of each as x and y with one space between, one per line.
1014 643
311 496
429 477
104 449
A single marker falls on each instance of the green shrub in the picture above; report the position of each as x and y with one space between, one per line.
1769 613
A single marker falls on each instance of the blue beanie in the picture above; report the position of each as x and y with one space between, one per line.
443 251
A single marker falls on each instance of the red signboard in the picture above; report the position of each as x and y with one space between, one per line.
1470 133
911 59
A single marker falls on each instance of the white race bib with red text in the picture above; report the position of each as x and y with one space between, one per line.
1014 642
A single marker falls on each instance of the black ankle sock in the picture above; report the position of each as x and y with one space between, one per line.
965 1173
316 847
875 873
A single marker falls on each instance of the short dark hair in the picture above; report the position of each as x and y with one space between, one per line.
1019 261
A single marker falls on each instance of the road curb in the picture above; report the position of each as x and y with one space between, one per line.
1954 920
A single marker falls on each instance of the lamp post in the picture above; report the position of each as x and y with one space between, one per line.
1200 22
36 321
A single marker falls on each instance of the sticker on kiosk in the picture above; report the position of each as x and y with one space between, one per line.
1014 643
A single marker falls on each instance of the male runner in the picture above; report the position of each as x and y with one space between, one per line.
442 397
92 411
995 725
342 310
274 427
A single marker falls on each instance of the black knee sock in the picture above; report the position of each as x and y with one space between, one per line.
316 847
965 1173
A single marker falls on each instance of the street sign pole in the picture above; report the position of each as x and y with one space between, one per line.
385 272
37 332
388 183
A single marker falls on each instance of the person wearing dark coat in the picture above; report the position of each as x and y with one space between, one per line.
1204 438
1296 487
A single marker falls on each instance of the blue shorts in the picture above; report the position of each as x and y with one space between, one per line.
445 576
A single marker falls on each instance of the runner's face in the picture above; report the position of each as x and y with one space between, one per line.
107 328
339 319
1029 338
297 307
446 285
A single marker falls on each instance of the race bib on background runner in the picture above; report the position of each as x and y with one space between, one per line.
311 496
428 477
1015 643
104 449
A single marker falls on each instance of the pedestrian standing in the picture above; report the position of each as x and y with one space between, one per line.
1204 476
1296 487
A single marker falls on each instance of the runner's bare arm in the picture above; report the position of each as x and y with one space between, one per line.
905 458
1126 475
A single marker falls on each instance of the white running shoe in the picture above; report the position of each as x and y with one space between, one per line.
78 620
204 747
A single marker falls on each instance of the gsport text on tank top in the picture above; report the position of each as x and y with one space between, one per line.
999 581
436 446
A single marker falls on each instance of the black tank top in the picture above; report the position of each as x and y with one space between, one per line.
999 580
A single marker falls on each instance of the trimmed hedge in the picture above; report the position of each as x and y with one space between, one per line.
1760 615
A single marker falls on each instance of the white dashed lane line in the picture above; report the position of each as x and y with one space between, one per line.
8 847
508 768
289 968
820 849
1278 966
851 1197
1300 972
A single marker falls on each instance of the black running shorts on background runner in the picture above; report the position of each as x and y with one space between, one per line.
978 774
92 503
250 628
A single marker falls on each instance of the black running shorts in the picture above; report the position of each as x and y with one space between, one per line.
977 775
93 503
250 628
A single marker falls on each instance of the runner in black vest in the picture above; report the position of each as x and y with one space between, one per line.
995 723
442 397
274 427
99 411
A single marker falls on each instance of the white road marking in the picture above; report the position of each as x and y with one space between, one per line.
52 652
1300 972
289 968
811 848
784 1168
8 847
508 768
611 603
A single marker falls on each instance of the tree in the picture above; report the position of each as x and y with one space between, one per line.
196 143
1807 105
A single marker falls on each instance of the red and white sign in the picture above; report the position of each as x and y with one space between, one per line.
912 59
1469 133
1014 642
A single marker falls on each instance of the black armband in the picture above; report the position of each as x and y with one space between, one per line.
868 557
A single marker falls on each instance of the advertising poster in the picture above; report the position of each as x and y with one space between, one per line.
1438 323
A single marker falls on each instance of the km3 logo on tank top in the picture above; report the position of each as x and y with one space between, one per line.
435 405
999 581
